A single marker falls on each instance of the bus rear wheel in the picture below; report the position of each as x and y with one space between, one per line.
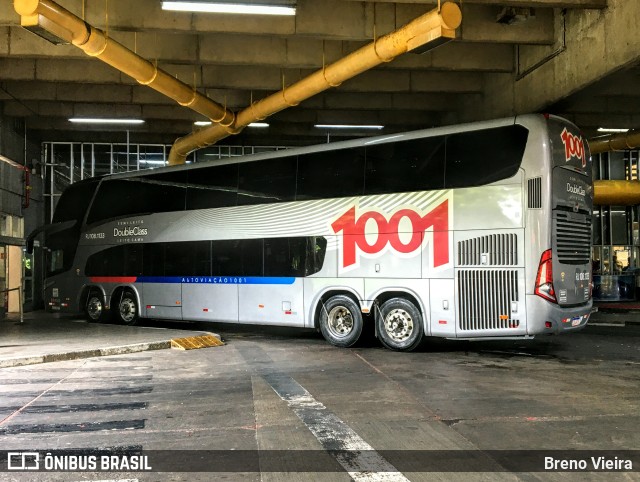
399 325
127 312
340 321
94 308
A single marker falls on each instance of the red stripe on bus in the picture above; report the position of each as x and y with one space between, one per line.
113 279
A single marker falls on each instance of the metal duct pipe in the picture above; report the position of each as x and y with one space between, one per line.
618 193
46 16
434 28
615 142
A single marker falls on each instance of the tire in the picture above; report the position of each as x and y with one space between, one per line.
399 325
94 309
127 308
340 321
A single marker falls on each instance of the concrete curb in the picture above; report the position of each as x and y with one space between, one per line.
75 355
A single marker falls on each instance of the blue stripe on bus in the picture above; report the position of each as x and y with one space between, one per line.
230 280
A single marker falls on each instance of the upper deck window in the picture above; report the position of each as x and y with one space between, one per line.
139 195
481 157
74 201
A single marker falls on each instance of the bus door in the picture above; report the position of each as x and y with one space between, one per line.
276 297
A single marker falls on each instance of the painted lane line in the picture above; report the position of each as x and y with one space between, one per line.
355 455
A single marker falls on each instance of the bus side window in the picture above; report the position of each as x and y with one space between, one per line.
284 257
178 259
481 157
267 181
316 250
226 258
213 187
251 252
133 255
153 264
330 174
413 165
128 197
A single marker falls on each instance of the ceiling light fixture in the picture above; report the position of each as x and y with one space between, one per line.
611 130
259 124
231 7
348 126
84 120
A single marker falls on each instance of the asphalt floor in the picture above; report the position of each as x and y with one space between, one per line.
44 337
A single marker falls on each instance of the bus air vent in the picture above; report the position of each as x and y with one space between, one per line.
492 250
573 237
534 193
487 299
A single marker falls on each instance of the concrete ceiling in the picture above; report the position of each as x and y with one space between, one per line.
576 58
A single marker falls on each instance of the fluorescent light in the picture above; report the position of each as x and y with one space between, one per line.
82 120
243 8
608 129
258 124
347 126
202 123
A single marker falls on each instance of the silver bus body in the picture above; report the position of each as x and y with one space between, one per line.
471 259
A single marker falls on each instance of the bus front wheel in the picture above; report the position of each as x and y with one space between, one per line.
94 308
340 321
127 312
399 325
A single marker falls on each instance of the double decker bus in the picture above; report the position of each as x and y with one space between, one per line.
475 231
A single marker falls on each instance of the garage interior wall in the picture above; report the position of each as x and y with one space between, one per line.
616 233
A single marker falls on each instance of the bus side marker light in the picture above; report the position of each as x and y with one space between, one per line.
206 310
443 322
178 303
504 317
260 306
365 310
288 312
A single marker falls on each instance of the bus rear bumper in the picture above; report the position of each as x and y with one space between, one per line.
55 305
545 318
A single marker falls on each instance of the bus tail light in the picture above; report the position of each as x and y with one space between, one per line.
544 279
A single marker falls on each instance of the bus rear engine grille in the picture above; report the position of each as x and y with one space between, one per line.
486 298
492 250
573 239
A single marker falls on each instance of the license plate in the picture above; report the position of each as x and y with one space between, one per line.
576 321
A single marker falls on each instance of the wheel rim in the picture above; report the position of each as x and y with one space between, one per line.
340 322
399 325
94 308
127 310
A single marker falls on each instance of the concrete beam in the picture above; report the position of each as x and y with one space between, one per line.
257 50
248 78
329 19
479 25
137 94
598 43
303 113
513 3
